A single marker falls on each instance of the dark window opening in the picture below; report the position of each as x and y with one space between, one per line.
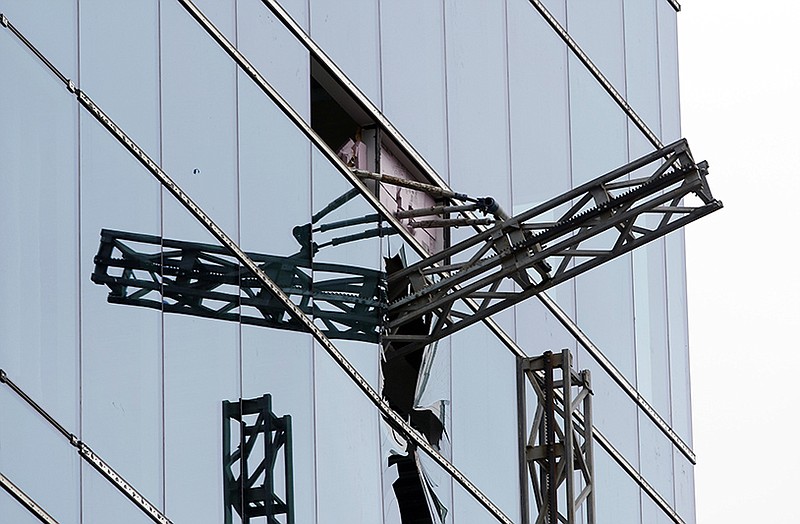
331 122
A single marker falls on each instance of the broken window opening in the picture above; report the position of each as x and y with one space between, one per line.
348 130
330 121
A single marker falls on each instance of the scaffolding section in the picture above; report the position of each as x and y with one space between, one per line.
557 458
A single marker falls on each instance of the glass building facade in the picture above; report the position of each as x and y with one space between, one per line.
495 101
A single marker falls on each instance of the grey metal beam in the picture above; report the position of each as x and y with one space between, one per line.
504 254
557 448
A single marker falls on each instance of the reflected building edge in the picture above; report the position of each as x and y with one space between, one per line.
157 324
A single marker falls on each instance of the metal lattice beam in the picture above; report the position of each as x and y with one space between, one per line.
558 240
205 280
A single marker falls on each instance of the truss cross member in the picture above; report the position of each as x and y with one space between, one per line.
556 451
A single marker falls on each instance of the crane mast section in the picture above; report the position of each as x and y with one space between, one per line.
558 240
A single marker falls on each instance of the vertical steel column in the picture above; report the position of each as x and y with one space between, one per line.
588 443
569 442
522 429
559 444
551 484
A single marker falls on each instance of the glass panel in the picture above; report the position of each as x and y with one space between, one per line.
275 53
558 8
598 127
14 511
477 99
641 56
614 411
478 139
358 54
540 160
617 498
668 67
121 344
39 263
201 355
655 453
348 443
650 303
275 197
599 144
678 337
485 435
539 108
414 89
56 41
641 61
684 488
597 27
605 312
222 15
642 75
651 512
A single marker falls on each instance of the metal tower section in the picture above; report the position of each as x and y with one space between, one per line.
557 450
249 469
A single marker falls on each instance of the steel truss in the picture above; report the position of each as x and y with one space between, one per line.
205 280
249 488
560 239
558 449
